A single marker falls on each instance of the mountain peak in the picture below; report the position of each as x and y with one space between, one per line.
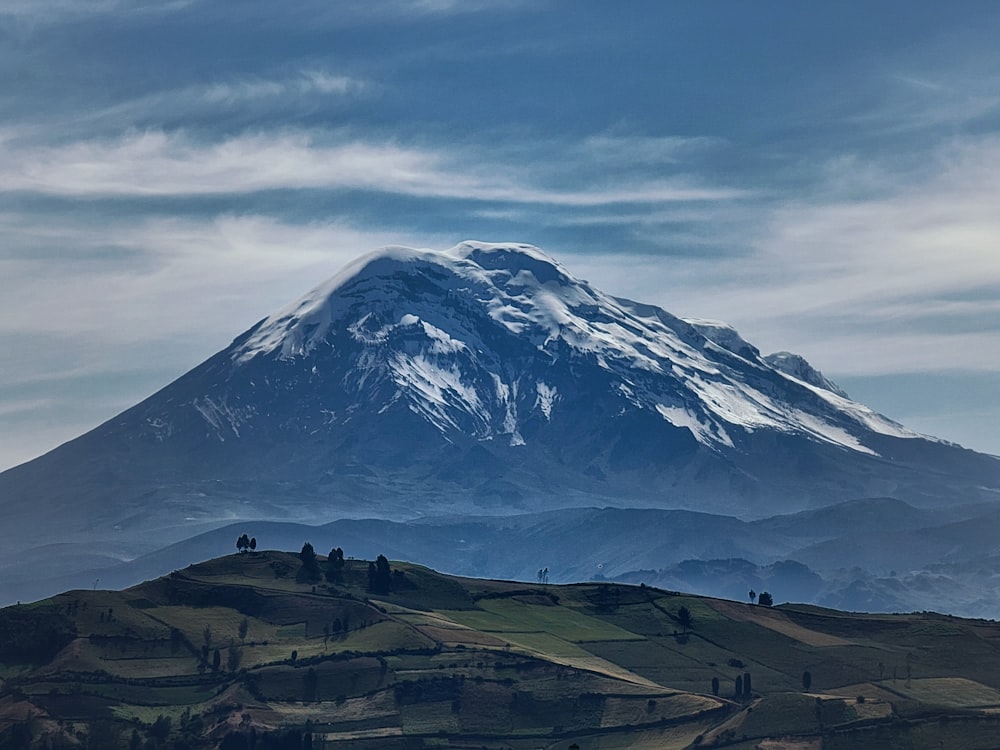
724 335
513 258
483 338
296 328
798 367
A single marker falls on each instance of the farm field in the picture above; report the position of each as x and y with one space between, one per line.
261 649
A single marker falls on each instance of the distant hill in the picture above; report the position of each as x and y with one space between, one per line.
277 650
873 554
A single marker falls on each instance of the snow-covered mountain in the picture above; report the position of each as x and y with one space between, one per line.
483 379
428 324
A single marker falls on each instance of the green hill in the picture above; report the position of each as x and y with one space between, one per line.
257 650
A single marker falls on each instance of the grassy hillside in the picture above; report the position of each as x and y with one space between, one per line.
255 650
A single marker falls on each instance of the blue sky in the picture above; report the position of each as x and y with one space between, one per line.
825 177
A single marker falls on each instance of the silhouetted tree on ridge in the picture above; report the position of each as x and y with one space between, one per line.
379 576
310 566
335 565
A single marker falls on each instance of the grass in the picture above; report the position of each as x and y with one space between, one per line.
950 692
469 663
960 733
513 616
429 718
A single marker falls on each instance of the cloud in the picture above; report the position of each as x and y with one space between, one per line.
949 96
307 83
345 12
127 306
166 277
899 279
247 99
65 11
631 150
457 6
160 163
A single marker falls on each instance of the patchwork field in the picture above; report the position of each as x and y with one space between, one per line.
262 649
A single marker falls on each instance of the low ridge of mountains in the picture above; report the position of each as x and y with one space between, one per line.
487 385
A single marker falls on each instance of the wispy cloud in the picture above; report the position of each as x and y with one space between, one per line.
306 83
128 306
912 102
630 150
458 6
878 284
158 163
346 11
167 277
256 99
62 11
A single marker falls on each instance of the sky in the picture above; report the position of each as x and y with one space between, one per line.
824 177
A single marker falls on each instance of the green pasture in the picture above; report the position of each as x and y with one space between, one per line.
511 615
664 738
429 718
948 733
792 714
603 665
950 692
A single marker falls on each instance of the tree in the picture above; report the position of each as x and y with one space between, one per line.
310 682
746 684
310 567
807 679
684 617
307 555
715 686
243 543
765 598
253 544
244 626
380 576
234 741
753 596
335 565
216 660
234 657
161 727
738 690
